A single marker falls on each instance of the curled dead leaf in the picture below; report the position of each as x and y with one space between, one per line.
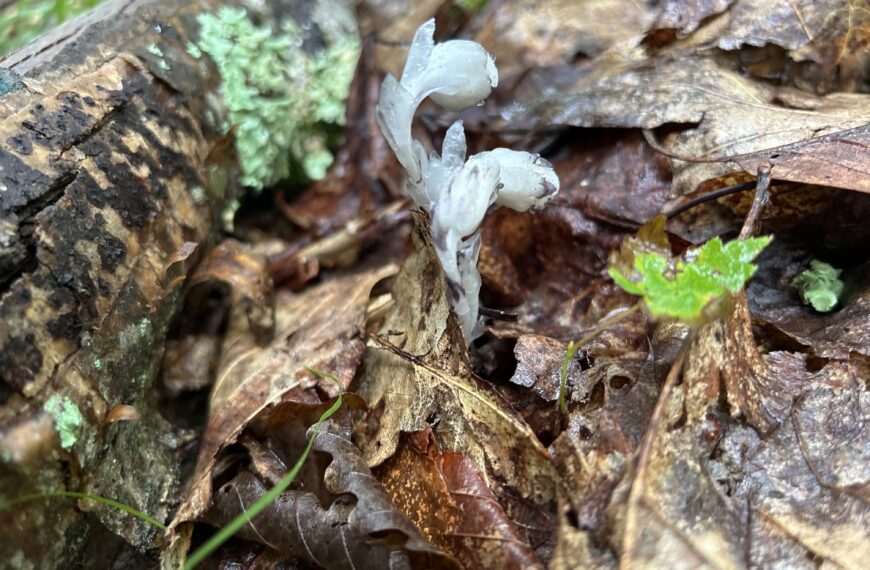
418 376
320 327
337 516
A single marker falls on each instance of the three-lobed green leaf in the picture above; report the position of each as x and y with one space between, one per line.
683 288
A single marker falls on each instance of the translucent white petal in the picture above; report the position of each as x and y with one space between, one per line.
420 52
395 112
464 202
527 181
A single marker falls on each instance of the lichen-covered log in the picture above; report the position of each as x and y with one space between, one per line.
116 164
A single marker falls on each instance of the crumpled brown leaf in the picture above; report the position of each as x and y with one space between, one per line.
831 33
686 15
679 500
338 515
418 375
735 117
445 496
231 275
319 327
243 275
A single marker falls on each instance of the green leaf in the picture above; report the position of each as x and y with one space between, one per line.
684 288
820 286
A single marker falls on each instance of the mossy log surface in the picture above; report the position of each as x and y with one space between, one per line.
113 176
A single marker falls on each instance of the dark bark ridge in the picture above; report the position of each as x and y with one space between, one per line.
112 178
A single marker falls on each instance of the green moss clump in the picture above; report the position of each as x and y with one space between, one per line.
278 96
819 286
68 419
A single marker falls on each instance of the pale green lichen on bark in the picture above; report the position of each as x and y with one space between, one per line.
68 419
155 50
277 95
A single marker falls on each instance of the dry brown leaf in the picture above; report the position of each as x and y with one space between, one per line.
426 381
321 327
445 496
526 33
680 504
613 175
831 33
735 117
336 514
686 15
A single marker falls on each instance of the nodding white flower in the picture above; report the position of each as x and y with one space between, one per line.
528 181
456 74
457 192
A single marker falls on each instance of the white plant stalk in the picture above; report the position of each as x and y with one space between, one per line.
454 191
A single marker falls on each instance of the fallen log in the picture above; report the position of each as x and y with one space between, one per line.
115 170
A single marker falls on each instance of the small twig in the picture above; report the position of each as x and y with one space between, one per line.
398 351
762 197
715 194
498 314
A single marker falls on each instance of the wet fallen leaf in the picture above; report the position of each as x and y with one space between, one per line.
614 176
611 404
735 117
799 499
830 33
675 505
418 376
448 500
551 262
685 16
319 327
338 516
525 33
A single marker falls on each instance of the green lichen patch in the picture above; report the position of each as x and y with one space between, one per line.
819 286
155 50
68 419
278 96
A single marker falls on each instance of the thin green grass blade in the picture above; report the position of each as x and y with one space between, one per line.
263 502
96 498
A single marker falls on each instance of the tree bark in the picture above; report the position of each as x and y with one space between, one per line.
114 171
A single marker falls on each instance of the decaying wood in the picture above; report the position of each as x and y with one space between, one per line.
111 184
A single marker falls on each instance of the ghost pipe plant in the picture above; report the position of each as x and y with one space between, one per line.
454 191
